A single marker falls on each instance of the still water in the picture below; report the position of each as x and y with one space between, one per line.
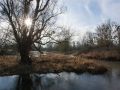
64 81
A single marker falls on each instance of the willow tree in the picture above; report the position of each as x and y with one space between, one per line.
30 22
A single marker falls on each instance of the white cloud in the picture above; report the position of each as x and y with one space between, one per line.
80 16
110 9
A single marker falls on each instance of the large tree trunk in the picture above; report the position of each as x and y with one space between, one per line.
25 59
24 53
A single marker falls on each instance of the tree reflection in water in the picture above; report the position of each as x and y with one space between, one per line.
61 81
29 82
34 82
24 82
37 85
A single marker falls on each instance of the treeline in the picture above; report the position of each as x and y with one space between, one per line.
105 37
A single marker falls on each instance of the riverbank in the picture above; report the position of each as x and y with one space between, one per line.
50 63
108 55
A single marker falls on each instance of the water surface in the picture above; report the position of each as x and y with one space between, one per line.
64 81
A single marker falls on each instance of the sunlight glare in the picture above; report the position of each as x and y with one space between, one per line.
28 22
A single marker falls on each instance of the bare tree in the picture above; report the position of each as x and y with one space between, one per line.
4 40
64 38
30 21
117 34
89 39
104 34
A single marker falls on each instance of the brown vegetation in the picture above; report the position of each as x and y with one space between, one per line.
50 64
111 55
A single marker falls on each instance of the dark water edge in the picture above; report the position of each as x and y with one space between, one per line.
64 81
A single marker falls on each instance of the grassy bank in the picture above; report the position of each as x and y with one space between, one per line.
51 63
110 55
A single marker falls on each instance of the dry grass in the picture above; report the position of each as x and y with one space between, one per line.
102 55
50 63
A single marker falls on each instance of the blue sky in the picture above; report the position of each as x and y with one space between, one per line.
85 15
